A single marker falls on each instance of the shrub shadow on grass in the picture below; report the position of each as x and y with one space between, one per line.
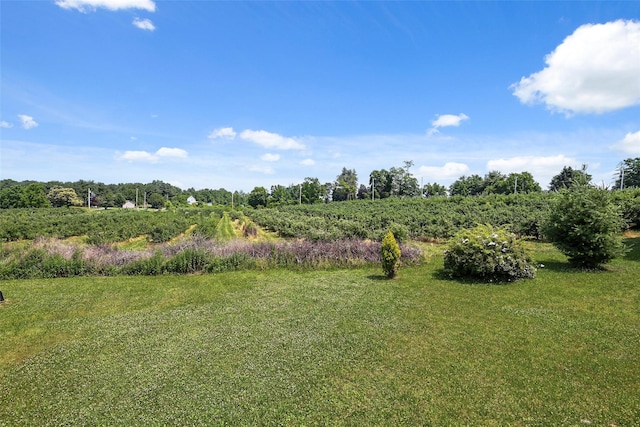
633 249
378 278
566 267
441 274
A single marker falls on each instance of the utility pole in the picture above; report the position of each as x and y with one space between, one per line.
89 198
300 188
232 200
136 198
373 189
515 186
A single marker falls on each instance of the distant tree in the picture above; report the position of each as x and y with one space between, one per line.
435 189
63 196
408 183
258 197
364 193
329 187
494 183
346 185
10 197
118 200
312 191
569 177
521 183
6 183
33 196
156 200
629 174
467 186
382 181
279 195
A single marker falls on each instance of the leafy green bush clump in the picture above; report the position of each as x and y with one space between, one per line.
188 261
629 203
390 253
237 261
586 226
152 266
38 263
488 254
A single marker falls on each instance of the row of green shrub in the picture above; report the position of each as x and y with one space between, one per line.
104 226
437 217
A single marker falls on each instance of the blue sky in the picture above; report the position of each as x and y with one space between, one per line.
235 95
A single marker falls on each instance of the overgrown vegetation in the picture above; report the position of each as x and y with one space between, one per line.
49 258
488 254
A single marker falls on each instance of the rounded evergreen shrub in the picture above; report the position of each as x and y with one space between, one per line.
487 254
586 226
390 252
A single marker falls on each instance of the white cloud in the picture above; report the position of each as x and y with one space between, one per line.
448 171
223 133
630 144
145 156
27 121
271 140
139 156
446 120
268 157
91 5
144 24
532 163
267 170
543 168
177 153
308 162
594 70
5 125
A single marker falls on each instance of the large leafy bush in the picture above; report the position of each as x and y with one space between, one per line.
586 226
489 254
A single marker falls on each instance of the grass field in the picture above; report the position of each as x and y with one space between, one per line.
336 347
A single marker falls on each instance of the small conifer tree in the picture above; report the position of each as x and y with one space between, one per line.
390 252
586 226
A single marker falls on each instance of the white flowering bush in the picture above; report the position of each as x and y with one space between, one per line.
488 254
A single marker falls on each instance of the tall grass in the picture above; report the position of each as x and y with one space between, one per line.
196 254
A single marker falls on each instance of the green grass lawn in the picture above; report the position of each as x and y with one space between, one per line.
337 347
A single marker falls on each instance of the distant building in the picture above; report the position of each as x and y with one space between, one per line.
128 205
192 200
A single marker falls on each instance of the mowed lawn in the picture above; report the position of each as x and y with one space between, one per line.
335 347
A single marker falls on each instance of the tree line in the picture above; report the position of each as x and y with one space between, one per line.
395 182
